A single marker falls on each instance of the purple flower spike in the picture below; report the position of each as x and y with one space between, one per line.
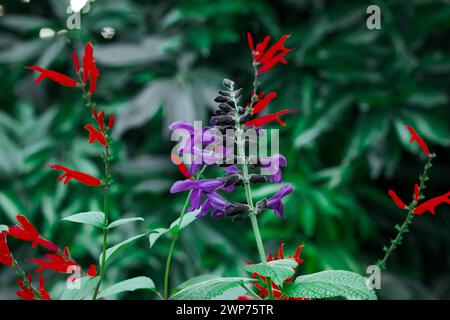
215 202
275 203
206 186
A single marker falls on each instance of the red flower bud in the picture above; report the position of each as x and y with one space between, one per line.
398 202
54 76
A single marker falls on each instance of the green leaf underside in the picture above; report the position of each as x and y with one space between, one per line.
80 288
114 249
129 285
188 218
208 289
331 284
124 221
94 218
277 270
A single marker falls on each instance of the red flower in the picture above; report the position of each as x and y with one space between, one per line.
27 292
258 122
100 118
416 193
415 137
92 271
245 298
111 121
27 232
431 204
58 262
54 76
75 61
268 59
181 166
262 288
263 101
90 68
95 135
43 292
399 203
5 254
77 175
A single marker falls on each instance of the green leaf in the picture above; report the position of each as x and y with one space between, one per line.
330 284
95 218
129 285
80 288
208 289
277 270
123 221
188 218
3 228
114 249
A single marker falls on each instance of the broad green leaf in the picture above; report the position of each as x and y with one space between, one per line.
114 249
80 289
129 285
277 270
208 289
123 221
188 218
330 284
95 218
195 280
3 228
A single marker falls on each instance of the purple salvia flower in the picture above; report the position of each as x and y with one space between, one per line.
215 202
199 188
272 167
275 203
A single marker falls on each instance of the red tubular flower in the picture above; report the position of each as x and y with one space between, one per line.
245 298
95 135
100 118
54 76
416 193
111 121
181 166
56 262
431 204
42 291
258 122
398 202
90 68
27 292
263 102
76 62
77 175
415 137
5 254
92 271
27 232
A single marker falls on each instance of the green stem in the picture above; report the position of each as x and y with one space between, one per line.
175 238
403 229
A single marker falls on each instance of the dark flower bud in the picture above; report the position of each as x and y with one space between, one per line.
257 178
261 206
231 179
244 118
222 120
231 103
228 83
225 107
221 99
224 93
236 208
220 112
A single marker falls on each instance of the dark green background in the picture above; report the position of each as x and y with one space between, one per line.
354 89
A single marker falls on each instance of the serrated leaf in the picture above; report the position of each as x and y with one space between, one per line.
124 221
330 284
94 218
80 288
114 249
208 289
129 285
277 270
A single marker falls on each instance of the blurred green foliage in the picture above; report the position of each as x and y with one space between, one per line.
354 88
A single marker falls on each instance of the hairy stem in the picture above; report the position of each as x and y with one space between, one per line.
22 274
403 228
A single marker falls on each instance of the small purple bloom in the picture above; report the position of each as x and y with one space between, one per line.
199 188
275 203
271 166
215 202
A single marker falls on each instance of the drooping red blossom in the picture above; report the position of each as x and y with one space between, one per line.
431 204
262 288
77 175
268 59
415 137
111 121
398 202
258 122
416 193
181 166
58 262
5 254
27 232
263 101
27 292
43 292
76 62
54 76
100 118
90 68
95 135
92 271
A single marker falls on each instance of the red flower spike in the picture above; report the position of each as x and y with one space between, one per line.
416 193
273 50
258 122
5 254
260 47
55 262
76 61
26 293
398 202
54 76
42 291
77 175
94 75
111 121
90 68
27 232
415 137
431 204
92 271
95 135
263 102
181 166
